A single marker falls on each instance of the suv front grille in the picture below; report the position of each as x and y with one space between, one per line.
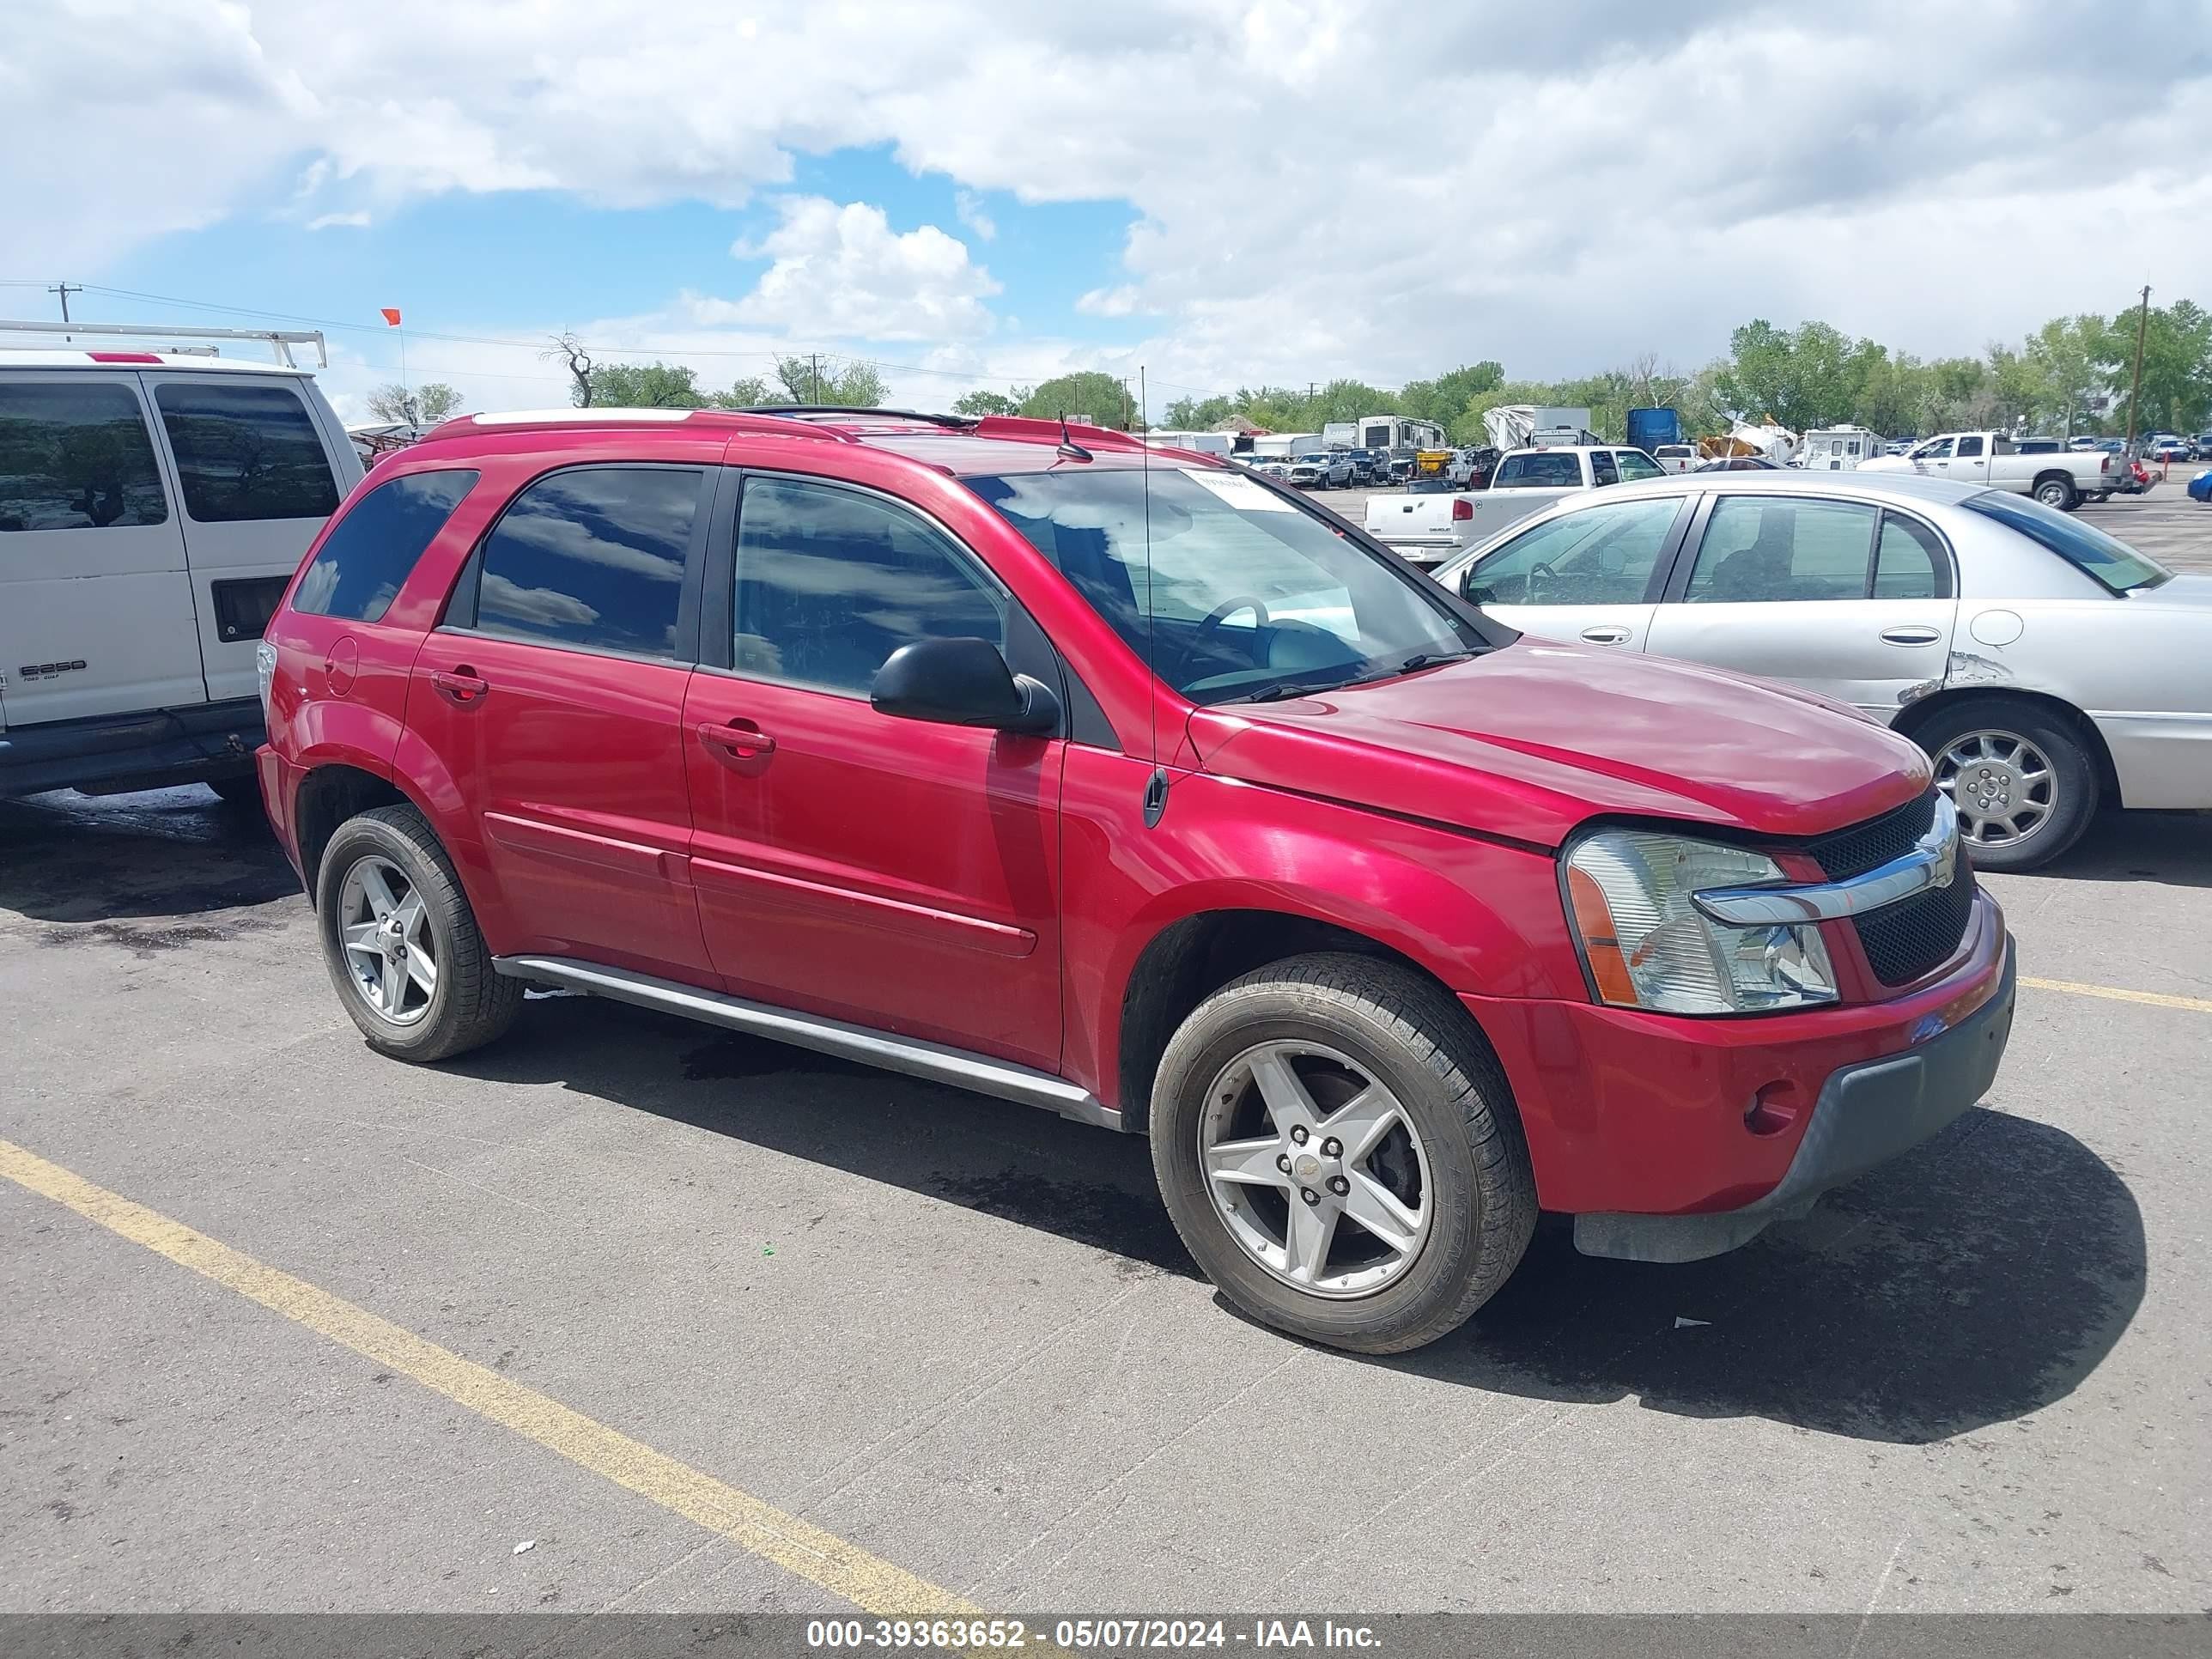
1908 938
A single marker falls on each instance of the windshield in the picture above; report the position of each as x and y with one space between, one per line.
2088 550
1542 469
1251 595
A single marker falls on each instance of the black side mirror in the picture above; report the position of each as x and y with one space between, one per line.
963 681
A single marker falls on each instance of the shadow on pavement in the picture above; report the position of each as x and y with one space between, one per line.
168 852
2173 848
1971 1282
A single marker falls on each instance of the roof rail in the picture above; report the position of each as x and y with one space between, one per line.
513 420
280 341
1025 426
801 411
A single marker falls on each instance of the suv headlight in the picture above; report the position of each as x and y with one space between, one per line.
264 673
1628 896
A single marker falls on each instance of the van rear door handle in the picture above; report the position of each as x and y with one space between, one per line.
1606 634
1911 635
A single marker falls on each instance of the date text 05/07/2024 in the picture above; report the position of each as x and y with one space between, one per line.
1080 1635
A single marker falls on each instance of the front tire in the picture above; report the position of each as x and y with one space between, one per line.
402 945
2025 786
1339 1150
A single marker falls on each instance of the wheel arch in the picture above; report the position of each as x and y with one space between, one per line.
1917 716
1189 958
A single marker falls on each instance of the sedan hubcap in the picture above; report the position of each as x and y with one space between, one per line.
2002 785
1314 1167
384 930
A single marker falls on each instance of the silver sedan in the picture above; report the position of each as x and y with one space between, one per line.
2044 664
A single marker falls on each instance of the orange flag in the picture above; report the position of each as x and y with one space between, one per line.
392 315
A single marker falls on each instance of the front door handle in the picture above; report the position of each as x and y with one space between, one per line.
1912 635
460 685
735 741
1606 634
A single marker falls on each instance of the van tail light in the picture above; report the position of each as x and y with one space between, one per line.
1463 509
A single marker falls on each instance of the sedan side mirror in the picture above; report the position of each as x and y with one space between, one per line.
962 682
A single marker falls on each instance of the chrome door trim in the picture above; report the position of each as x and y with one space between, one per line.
1933 862
980 1074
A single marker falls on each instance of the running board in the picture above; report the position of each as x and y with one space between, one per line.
977 1073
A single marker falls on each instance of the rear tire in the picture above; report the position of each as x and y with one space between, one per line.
1451 1159
2006 737
2058 492
469 1004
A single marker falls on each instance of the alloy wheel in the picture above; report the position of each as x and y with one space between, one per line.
384 930
2004 787
1314 1168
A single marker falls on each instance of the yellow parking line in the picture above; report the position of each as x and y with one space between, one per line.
818 1557
2114 993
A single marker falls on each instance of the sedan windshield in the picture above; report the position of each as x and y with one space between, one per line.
1250 595
2088 550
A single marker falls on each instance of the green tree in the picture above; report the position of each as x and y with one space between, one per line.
423 405
644 386
751 392
1198 413
2176 366
857 385
989 402
1088 395
1445 398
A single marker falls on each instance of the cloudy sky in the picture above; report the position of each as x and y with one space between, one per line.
985 194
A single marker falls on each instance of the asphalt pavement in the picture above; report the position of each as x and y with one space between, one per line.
604 1316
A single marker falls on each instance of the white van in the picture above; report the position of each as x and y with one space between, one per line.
152 507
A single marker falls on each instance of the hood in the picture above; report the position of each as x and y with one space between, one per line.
1531 740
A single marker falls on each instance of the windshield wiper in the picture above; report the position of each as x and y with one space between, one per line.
1431 660
1295 689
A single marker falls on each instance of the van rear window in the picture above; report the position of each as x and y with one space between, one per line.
246 452
75 454
369 553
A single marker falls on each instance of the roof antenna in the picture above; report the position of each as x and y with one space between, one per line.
1156 786
1068 446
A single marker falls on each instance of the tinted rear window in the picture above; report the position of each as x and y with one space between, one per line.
593 557
76 455
1554 468
369 553
246 452
2112 563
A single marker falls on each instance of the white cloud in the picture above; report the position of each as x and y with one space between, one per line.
1110 301
1312 197
968 207
357 219
842 270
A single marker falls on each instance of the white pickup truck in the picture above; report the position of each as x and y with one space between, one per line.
2063 480
1428 528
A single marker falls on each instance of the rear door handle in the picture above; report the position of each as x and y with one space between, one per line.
735 742
460 685
1606 634
1913 636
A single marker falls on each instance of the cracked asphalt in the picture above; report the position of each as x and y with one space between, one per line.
962 1336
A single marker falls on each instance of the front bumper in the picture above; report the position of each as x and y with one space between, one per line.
1867 1114
1636 1115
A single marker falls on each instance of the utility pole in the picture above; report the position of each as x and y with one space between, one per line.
814 377
2135 397
65 290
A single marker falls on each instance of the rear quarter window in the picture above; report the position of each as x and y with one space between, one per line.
75 454
369 553
246 452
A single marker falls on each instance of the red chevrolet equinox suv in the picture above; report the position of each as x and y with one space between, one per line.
1127 784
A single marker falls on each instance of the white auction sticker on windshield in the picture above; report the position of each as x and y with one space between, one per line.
1241 493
